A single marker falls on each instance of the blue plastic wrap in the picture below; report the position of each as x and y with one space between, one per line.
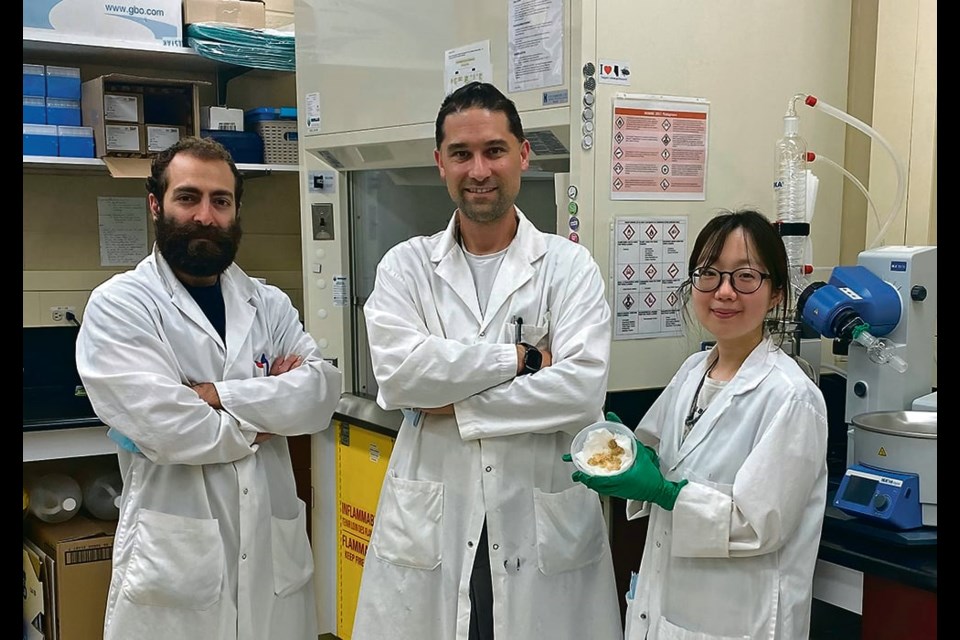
257 48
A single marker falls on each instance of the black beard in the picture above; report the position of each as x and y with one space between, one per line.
195 249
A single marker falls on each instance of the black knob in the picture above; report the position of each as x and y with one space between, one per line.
918 293
589 69
860 388
880 502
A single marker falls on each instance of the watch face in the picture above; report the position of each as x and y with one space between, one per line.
532 359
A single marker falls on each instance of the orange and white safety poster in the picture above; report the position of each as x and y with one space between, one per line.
659 148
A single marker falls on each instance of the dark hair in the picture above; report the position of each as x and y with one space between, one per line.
479 95
766 242
203 148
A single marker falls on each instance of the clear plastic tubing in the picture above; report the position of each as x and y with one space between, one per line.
813 157
816 103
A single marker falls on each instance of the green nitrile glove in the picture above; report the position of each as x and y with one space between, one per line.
642 481
612 417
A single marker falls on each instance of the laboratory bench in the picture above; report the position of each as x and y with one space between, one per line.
897 573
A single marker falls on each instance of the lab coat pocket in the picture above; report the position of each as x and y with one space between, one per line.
292 556
531 334
570 531
409 523
666 630
175 562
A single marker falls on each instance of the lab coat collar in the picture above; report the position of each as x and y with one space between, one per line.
527 247
752 372
238 288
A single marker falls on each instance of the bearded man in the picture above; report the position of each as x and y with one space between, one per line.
201 373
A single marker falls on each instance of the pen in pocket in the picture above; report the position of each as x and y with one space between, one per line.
519 323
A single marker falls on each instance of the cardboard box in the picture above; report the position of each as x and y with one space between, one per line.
279 5
280 20
123 107
124 139
35 622
170 102
77 561
158 22
220 118
239 13
161 136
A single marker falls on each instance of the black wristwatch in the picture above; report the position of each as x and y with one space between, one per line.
532 359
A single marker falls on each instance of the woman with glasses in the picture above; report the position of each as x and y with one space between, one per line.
734 479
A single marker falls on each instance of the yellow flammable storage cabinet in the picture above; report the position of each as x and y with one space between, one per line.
361 462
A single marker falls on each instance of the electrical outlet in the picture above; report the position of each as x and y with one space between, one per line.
59 314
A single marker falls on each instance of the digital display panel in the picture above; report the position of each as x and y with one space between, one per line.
859 490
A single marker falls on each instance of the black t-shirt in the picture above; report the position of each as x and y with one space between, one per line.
210 300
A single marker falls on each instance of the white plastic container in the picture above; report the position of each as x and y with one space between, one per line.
101 495
54 497
604 449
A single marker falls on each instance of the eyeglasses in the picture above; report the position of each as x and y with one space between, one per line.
744 280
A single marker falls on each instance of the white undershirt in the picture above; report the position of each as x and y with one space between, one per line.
484 270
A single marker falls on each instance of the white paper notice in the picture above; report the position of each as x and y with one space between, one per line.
123 230
659 148
312 101
535 53
648 260
470 63
341 291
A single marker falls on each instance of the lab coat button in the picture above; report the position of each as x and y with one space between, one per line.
495 547
489 468
470 543
483 333
246 491
658 545
643 616
243 557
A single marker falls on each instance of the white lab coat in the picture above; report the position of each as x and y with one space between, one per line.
499 457
211 543
735 557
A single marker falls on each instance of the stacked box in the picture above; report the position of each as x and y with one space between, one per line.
63 82
34 110
75 142
34 80
236 13
63 111
34 96
40 140
120 108
221 118
162 136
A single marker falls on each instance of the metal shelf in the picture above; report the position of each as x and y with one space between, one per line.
57 444
58 165
92 50
54 48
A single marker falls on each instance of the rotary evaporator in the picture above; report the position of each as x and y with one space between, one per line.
881 314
